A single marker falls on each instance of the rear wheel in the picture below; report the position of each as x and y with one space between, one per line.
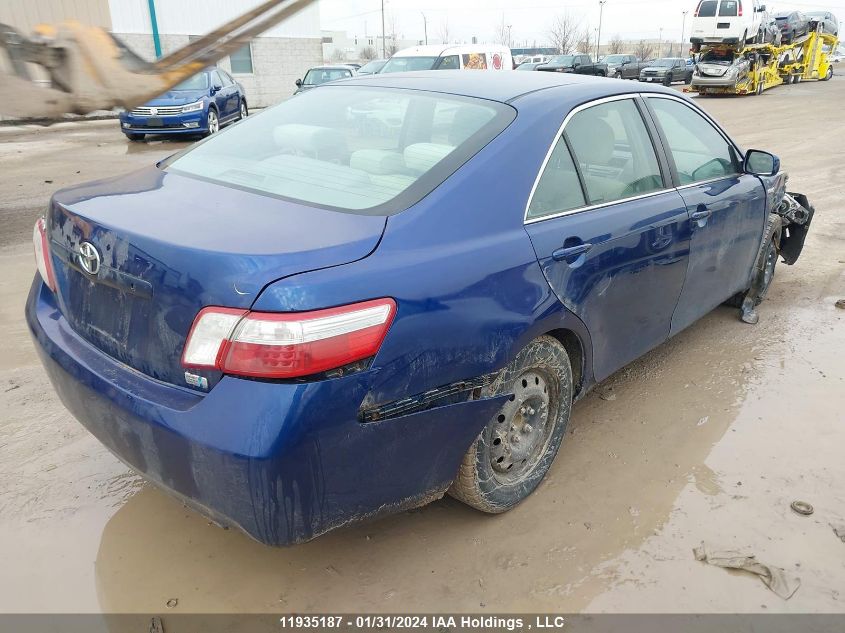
244 111
829 74
618 74
515 450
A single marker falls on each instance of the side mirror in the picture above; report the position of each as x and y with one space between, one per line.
761 163
216 88
576 64
298 83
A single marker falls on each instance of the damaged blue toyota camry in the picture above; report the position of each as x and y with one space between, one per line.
394 287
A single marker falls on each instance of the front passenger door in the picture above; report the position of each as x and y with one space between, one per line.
727 208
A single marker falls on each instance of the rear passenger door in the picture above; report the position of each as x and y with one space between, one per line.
608 230
727 207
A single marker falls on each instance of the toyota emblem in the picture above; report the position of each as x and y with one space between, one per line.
89 258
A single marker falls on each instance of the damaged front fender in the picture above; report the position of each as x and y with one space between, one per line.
797 215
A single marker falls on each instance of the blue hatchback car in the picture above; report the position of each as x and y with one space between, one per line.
394 287
201 104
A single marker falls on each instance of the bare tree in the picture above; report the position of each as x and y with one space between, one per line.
391 43
503 33
443 31
585 41
338 56
644 50
367 53
564 32
616 46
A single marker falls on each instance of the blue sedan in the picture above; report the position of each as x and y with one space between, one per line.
394 287
199 105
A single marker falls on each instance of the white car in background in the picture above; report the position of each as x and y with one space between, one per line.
445 57
728 22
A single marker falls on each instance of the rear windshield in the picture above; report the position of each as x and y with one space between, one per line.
407 64
717 56
371 68
373 151
317 76
615 59
707 9
728 8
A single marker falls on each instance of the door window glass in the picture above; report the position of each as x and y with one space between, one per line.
614 152
700 151
558 189
450 62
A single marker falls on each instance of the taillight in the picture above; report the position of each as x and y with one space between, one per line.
41 245
286 345
739 11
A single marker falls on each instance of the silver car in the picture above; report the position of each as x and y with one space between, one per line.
828 21
720 69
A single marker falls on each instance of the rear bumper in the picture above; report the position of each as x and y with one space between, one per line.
282 462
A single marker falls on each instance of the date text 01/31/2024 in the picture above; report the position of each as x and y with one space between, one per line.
436 622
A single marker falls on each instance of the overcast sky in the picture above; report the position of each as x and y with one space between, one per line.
631 19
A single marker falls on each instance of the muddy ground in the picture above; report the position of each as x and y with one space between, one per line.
708 438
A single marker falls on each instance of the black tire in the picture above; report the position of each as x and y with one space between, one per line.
135 137
764 265
618 75
498 471
667 80
829 74
244 110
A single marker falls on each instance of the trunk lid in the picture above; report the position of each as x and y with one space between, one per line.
170 245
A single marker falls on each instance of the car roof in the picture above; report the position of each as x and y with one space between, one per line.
501 86
333 67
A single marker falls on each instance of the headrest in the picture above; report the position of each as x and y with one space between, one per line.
420 157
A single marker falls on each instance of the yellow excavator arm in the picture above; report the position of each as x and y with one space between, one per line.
89 69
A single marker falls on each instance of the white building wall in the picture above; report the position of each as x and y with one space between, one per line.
198 17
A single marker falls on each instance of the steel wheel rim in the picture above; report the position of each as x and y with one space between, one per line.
523 427
243 111
212 122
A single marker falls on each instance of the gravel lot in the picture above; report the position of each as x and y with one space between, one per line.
708 438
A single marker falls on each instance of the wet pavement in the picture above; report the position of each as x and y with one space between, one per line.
708 438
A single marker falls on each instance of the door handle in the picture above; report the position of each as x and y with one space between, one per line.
701 214
563 254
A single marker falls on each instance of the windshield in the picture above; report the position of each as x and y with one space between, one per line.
407 64
318 76
707 9
717 57
371 68
197 82
374 151
664 63
562 60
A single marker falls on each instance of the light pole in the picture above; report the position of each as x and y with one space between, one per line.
509 34
425 27
598 38
683 28
660 44
383 42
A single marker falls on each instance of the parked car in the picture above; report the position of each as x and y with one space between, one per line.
580 64
529 65
624 66
719 68
725 22
320 75
301 323
444 57
667 70
533 59
827 20
201 104
792 24
372 67
771 33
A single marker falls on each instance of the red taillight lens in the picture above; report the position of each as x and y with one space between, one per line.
287 345
739 10
41 245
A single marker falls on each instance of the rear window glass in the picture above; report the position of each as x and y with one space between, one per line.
728 8
367 150
707 9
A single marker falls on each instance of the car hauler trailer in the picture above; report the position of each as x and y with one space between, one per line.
754 68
